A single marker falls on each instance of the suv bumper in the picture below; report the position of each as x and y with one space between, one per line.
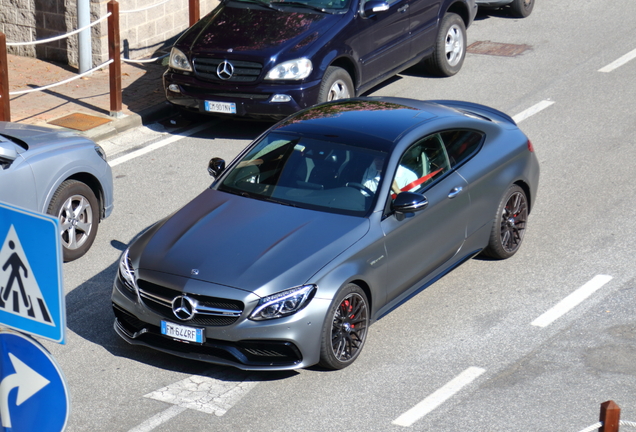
251 101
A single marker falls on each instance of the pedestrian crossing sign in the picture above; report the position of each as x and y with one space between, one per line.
31 291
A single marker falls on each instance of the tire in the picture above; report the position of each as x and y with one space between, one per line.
521 8
336 84
77 210
509 226
345 329
450 47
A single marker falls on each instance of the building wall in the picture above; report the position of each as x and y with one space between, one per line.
145 32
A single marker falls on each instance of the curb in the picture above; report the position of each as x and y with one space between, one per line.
131 121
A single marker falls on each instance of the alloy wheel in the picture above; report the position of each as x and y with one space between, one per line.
349 327
76 216
513 221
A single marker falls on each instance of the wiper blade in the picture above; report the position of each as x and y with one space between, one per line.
300 4
260 3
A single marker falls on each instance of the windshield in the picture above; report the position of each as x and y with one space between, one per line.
321 5
308 173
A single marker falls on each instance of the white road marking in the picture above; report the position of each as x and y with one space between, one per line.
439 397
157 145
532 110
209 395
158 419
205 394
571 301
619 62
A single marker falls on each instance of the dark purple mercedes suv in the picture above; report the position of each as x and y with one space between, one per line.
270 58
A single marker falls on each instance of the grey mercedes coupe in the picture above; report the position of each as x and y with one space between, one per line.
326 222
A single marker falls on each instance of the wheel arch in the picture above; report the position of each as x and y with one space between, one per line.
460 8
367 291
526 189
348 65
90 181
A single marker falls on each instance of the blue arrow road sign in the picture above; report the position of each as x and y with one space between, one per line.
31 291
33 391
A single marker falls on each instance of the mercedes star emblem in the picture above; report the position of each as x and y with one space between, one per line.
225 70
184 307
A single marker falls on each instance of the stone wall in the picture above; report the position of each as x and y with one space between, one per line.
144 33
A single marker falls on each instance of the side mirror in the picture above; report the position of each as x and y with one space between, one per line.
374 6
216 166
408 202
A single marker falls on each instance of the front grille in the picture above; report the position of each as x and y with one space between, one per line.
244 72
213 311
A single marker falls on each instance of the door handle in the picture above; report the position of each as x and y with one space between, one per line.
456 191
403 8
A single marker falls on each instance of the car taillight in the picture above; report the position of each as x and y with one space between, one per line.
530 147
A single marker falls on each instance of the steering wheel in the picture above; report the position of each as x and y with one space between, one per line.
361 188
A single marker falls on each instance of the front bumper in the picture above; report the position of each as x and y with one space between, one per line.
282 344
251 100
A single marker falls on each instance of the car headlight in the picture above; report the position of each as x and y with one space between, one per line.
178 60
283 303
126 272
291 70
100 151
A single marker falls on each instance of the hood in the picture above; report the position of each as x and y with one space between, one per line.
256 31
248 244
37 137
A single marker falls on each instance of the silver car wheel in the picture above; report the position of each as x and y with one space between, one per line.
76 216
454 47
76 207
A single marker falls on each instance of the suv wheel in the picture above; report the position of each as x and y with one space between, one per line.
521 8
336 84
450 47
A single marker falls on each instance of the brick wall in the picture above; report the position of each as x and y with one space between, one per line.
144 34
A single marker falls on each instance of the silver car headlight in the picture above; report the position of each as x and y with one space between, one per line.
126 272
283 303
291 70
100 151
178 60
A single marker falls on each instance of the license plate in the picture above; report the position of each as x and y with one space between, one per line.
181 332
220 107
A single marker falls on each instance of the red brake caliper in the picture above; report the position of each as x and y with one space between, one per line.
349 309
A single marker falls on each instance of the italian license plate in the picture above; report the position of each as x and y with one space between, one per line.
181 332
220 107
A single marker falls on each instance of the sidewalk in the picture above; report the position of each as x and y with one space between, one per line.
85 100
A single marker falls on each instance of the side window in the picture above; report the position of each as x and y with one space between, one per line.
461 144
421 165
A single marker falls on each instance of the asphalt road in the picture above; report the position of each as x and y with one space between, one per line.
473 352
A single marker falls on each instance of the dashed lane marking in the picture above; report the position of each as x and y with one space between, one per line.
439 397
159 419
157 145
532 110
571 301
619 62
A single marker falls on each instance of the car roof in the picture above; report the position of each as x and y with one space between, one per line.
374 122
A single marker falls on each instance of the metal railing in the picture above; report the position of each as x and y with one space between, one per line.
114 57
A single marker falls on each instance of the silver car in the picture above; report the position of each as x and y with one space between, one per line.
59 173
328 221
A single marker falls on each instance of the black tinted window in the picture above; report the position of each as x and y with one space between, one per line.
461 144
